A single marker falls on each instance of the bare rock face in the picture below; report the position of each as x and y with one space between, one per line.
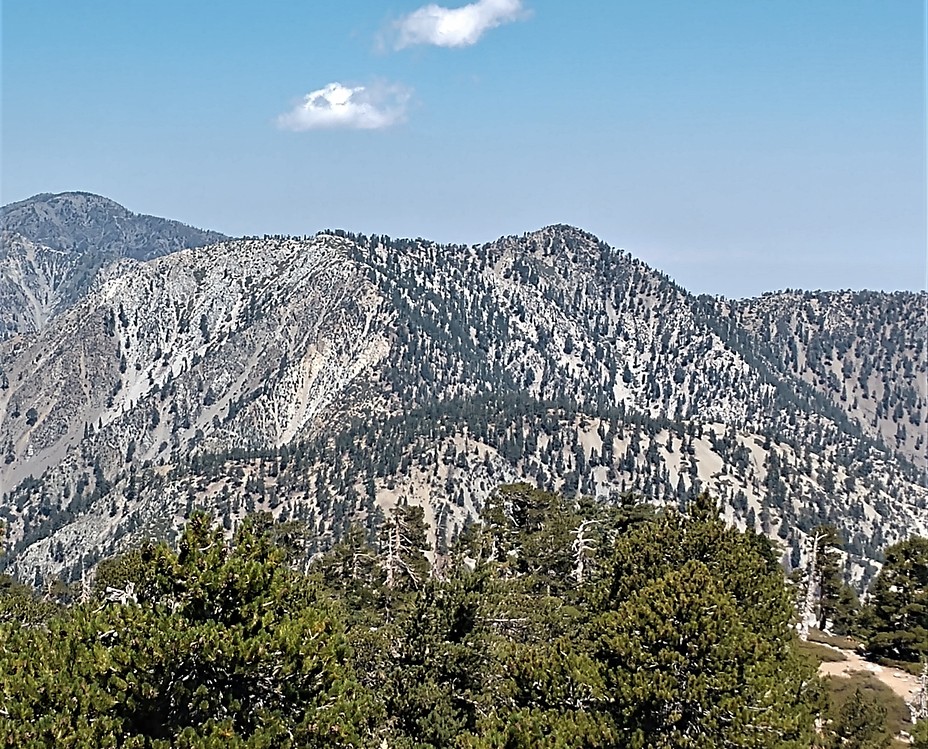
33 280
327 378
242 343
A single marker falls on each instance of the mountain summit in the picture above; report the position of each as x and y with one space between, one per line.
52 246
81 222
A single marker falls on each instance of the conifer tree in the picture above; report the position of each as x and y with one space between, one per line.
218 642
403 544
829 579
920 735
898 611
679 590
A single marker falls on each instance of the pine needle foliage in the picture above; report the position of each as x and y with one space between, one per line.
554 622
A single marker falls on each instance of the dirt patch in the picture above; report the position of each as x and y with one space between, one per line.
902 683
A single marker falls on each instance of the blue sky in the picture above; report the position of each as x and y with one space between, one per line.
738 146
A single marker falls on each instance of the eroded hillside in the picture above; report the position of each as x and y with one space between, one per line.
330 377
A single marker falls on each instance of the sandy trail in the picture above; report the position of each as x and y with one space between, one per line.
902 683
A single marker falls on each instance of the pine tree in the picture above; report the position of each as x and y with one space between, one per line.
829 578
920 735
437 658
898 611
675 655
678 591
846 611
403 544
217 641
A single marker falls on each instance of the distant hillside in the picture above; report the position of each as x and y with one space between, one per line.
84 223
865 351
52 246
330 378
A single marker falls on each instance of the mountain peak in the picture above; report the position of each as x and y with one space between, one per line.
53 245
237 377
83 223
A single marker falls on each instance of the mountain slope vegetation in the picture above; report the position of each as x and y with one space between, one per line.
52 246
331 378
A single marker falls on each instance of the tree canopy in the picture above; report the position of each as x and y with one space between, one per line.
552 622
215 644
898 611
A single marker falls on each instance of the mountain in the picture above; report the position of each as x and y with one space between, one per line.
864 351
328 378
52 246
83 223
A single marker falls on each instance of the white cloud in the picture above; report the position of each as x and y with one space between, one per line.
357 108
455 27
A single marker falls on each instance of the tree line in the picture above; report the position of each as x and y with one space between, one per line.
551 622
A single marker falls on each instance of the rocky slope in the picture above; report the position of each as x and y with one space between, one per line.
51 247
328 378
863 351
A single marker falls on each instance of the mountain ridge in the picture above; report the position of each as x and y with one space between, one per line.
323 347
80 221
53 245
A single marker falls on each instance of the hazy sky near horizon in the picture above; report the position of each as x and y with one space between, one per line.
737 146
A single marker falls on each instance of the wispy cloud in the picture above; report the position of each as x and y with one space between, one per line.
455 27
351 107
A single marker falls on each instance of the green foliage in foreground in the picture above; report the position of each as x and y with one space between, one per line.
224 645
920 735
551 623
898 614
863 713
